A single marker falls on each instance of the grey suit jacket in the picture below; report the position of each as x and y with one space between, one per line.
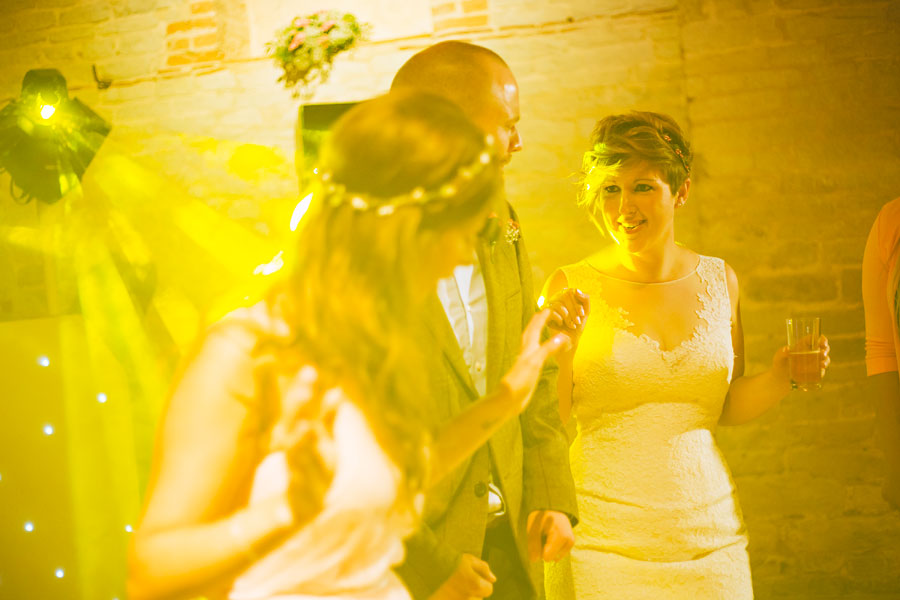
530 453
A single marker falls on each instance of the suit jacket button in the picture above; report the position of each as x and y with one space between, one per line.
480 489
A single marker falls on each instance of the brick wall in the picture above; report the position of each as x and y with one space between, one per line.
792 109
792 106
459 15
197 39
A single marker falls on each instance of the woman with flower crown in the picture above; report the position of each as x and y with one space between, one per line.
657 365
291 458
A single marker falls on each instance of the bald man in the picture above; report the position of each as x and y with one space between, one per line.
488 525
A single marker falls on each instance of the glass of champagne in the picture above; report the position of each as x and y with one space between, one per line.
804 353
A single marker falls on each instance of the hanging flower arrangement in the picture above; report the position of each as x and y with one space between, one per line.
306 49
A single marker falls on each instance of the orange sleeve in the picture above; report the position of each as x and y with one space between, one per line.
881 355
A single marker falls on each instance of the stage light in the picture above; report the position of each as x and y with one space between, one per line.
47 139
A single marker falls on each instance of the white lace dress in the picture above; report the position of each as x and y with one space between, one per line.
659 514
348 550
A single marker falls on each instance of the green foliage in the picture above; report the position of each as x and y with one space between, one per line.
306 49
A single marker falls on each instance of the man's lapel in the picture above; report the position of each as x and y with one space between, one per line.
494 262
443 332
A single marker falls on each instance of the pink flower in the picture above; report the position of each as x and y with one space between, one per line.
297 41
300 22
328 26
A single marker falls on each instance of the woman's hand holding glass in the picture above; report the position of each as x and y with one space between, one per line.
802 376
806 357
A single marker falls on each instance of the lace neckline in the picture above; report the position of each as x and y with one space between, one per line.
619 279
674 354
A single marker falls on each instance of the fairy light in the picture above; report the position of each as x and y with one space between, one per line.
540 301
48 429
101 398
129 528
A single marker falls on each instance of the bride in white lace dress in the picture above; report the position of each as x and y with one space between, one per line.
291 454
657 365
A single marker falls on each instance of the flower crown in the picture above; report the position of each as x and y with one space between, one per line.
589 160
420 196
677 151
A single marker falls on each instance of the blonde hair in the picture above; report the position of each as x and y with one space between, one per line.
352 293
649 137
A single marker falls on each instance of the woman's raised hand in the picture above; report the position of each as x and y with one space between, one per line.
569 309
522 378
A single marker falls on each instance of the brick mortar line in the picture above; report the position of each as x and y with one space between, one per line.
403 43
479 34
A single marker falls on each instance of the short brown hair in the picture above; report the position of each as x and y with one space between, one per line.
649 137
